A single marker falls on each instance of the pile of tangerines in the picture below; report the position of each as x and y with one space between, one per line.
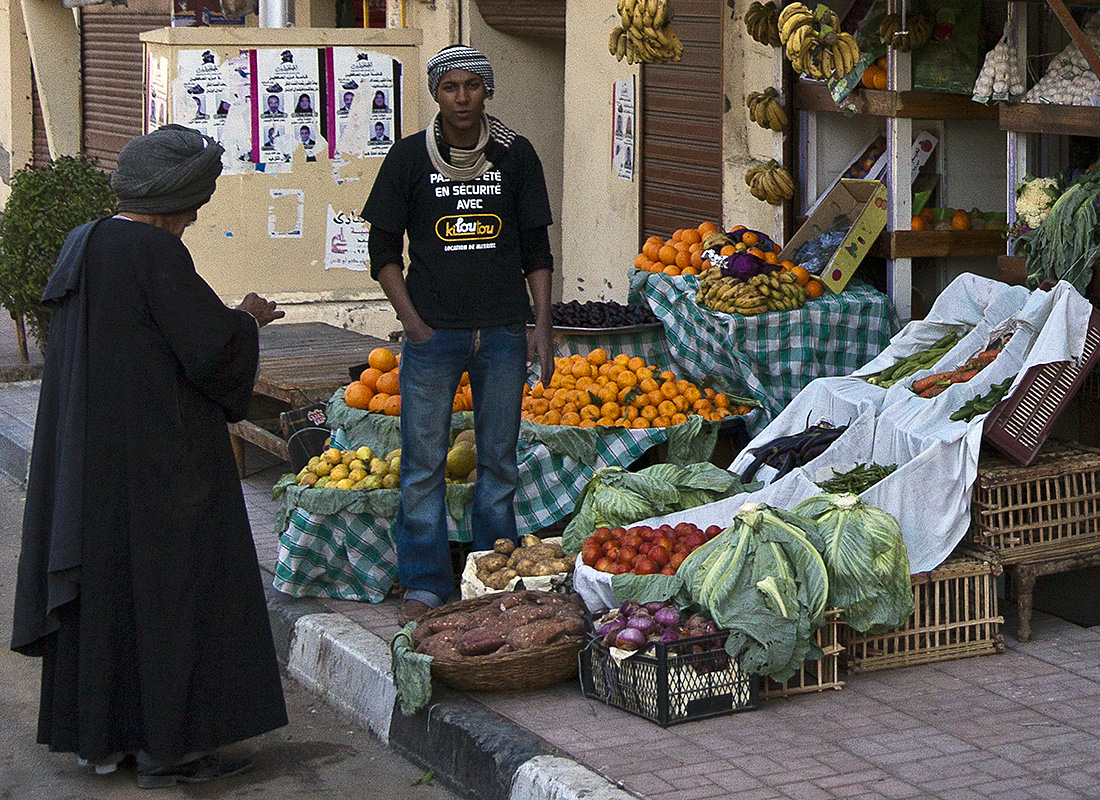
378 388
624 391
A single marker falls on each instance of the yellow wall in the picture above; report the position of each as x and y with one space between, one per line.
15 95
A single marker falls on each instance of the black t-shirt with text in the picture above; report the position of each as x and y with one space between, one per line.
465 263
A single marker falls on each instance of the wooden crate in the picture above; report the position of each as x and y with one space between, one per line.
956 617
1050 509
814 676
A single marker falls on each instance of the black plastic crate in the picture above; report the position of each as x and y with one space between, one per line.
668 684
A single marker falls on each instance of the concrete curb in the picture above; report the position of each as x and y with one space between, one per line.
472 749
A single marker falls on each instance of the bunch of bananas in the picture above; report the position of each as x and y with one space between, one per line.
762 23
645 34
814 42
770 182
781 290
913 35
765 111
772 291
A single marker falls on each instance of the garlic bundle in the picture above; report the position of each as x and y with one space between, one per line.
1002 77
1069 81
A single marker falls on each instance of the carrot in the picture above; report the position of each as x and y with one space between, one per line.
929 381
963 375
986 358
934 390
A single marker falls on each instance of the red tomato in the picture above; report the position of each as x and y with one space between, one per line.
591 553
632 540
604 564
666 529
601 535
668 571
713 531
620 569
618 533
648 534
694 540
645 548
659 555
676 559
684 528
645 567
626 554
637 560
612 552
664 541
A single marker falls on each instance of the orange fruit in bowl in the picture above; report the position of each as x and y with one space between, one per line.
918 224
960 221
378 402
393 406
369 377
358 395
880 79
815 287
801 274
382 358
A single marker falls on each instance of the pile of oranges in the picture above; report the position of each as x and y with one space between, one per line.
592 390
378 388
960 220
680 255
874 77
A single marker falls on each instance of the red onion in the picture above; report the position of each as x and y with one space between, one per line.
643 624
630 639
670 635
614 625
653 608
667 616
629 608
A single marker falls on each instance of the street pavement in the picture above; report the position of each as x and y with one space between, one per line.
318 756
1020 725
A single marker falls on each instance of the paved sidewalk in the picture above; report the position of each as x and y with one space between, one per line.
1025 724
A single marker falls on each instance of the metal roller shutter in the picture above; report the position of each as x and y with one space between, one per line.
111 82
681 137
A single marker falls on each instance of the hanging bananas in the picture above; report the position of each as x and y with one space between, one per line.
770 182
814 43
913 35
762 23
765 111
645 35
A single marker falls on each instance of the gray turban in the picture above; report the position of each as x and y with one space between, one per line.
171 169
459 56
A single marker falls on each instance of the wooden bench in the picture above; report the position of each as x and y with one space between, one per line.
301 363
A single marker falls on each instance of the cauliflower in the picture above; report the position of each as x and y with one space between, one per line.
1034 199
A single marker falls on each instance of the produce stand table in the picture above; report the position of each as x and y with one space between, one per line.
300 363
337 543
773 355
1024 573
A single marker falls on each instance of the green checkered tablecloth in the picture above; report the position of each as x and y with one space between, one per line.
335 543
774 355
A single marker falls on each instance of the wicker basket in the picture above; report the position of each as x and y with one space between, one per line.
1050 509
520 671
956 617
818 675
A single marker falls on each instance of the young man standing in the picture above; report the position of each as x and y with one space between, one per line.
471 195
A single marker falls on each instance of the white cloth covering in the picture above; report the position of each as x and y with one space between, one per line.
930 492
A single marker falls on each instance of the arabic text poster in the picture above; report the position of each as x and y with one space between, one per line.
157 98
364 91
236 134
346 235
286 92
201 98
623 151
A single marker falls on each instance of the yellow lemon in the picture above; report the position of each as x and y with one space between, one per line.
357 463
321 483
339 472
390 481
373 481
364 454
322 469
378 467
309 479
357 474
346 483
390 455
313 462
332 456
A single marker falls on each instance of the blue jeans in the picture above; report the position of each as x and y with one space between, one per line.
496 359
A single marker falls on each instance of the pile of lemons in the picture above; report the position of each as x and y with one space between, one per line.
352 469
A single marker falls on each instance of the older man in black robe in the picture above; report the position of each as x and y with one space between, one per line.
138 580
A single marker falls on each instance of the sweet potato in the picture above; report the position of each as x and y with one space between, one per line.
480 641
522 615
459 620
536 634
440 645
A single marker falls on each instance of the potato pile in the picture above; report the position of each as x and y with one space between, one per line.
533 558
511 622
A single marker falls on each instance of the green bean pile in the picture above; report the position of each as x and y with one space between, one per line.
858 479
984 404
911 364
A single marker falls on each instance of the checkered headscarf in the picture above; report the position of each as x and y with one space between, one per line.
459 56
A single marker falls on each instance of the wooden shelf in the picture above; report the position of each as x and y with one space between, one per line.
881 103
525 17
1050 118
936 244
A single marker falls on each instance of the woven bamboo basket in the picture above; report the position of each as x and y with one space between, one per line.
956 617
1050 509
519 671
817 675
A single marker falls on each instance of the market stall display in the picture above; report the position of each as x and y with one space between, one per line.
533 561
772 355
645 34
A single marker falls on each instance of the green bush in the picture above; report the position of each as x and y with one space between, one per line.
45 204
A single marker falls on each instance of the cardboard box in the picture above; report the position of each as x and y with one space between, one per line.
864 203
